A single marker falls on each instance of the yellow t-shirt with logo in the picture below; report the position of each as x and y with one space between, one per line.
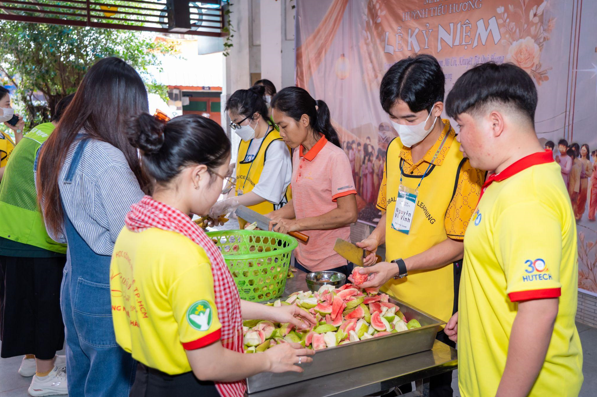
447 197
163 300
520 245
6 147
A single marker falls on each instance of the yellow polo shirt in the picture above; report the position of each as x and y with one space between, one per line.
163 300
447 198
520 245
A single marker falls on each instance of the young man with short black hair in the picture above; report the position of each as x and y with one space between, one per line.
425 173
518 296
564 160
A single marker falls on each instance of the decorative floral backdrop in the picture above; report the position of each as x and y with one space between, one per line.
344 47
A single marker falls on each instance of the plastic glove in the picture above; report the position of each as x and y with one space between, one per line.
223 207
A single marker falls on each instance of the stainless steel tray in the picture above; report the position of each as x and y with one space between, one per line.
358 354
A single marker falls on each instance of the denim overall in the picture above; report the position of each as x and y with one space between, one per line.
96 365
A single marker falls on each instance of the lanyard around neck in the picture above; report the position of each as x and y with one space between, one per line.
431 163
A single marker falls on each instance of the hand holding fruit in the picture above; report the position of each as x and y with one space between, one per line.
294 315
285 357
378 274
451 329
370 245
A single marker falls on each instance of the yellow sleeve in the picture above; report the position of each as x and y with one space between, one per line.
464 202
382 203
528 242
6 148
192 299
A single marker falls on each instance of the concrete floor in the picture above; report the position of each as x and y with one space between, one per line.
14 385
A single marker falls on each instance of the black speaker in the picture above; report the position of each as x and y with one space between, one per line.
179 16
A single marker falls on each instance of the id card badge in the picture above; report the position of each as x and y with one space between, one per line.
405 209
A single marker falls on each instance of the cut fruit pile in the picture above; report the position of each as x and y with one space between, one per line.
343 315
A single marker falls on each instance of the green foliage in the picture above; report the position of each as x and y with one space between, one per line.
52 59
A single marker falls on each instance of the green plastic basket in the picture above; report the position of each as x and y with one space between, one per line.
258 260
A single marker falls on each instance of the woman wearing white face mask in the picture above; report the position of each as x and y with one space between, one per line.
263 166
270 92
6 142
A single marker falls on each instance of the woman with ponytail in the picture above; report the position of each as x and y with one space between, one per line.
263 166
175 305
324 196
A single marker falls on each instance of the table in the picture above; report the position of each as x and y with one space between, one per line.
371 378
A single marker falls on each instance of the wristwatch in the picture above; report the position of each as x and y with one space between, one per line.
401 269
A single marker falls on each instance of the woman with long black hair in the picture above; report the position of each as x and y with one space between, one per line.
88 177
324 196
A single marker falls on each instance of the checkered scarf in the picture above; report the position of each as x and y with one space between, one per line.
149 213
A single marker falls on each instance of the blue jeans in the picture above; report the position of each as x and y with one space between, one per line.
96 366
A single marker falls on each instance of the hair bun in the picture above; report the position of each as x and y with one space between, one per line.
147 133
258 90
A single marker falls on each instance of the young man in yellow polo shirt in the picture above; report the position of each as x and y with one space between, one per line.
427 196
516 331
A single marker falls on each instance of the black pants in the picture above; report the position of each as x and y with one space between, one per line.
31 321
150 382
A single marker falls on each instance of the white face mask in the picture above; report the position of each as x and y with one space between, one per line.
7 114
412 134
268 99
246 132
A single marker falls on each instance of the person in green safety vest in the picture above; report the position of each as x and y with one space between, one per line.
31 265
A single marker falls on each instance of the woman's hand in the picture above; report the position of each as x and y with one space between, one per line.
282 225
18 128
287 357
370 245
292 314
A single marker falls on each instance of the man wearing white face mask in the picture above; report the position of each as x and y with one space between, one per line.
427 197
263 166
6 143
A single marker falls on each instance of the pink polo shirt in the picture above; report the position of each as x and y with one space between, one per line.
319 177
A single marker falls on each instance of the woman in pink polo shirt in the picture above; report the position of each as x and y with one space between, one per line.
323 201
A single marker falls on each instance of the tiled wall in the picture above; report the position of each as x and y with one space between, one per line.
587 309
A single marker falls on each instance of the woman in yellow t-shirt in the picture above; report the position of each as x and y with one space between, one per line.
7 114
175 306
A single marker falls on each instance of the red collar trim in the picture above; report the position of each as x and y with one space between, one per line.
311 154
519 166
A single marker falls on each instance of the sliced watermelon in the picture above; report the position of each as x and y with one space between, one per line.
345 294
357 277
338 306
371 299
357 313
323 309
328 319
349 325
345 286
319 342
338 321
375 307
388 305
377 322
372 291
309 338
385 298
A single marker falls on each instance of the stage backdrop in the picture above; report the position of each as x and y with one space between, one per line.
344 47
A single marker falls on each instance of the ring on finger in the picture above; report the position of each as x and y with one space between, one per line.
300 360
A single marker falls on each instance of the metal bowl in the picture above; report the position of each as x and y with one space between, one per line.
317 279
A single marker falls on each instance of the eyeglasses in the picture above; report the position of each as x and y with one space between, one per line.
238 126
229 182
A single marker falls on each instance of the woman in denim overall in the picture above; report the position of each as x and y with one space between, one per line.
88 177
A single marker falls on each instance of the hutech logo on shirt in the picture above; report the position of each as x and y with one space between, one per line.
199 315
477 216
537 271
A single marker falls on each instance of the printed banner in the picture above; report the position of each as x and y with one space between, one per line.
344 47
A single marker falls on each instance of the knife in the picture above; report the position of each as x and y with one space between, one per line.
262 222
352 253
